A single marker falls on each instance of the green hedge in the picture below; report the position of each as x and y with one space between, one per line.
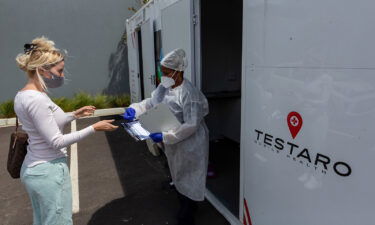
100 101
7 109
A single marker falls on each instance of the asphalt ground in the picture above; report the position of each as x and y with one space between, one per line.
120 182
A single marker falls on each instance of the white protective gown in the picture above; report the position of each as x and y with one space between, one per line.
186 147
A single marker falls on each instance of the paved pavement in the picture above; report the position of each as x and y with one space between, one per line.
119 183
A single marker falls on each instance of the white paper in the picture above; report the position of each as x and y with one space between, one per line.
139 130
136 130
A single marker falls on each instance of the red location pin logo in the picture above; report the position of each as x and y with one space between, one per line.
295 122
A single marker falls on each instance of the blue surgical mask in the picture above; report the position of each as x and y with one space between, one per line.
54 82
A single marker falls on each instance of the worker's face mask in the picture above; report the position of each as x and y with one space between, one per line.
168 82
54 82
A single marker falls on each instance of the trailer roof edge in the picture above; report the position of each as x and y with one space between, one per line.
139 10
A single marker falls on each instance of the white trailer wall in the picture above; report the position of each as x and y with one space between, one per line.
177 32
315 58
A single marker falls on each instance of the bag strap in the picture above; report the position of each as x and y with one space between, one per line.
17 123
16 134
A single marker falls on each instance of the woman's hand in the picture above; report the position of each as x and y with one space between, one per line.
84 111
104 125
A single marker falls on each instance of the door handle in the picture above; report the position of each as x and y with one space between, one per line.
152 78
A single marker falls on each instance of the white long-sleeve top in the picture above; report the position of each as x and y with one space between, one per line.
44 122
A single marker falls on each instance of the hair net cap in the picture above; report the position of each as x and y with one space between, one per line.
175 60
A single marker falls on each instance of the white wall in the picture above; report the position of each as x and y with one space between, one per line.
89 29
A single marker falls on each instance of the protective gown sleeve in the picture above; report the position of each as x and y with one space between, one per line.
193 113
157 97
141 107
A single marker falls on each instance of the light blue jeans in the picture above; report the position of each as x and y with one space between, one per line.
49 188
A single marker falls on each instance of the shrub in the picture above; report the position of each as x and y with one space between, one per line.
100 101
81 99
7 109
119 101
64 103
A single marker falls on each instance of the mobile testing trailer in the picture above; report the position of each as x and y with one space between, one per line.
291 88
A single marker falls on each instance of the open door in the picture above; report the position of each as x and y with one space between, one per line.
148 58
178 32
221 64
140 65
134 66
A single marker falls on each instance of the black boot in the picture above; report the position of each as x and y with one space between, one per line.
185 215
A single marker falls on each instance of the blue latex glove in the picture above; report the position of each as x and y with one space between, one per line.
156 137
129 114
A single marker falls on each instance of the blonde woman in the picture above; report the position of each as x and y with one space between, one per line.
44 171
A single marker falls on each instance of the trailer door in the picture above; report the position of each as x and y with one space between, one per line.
177 31
148 58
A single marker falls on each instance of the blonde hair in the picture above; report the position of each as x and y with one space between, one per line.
44 55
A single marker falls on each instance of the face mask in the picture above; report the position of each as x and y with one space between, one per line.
54 82
168 82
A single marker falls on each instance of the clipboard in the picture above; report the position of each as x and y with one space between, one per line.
136 131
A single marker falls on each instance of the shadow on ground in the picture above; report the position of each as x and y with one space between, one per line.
145 201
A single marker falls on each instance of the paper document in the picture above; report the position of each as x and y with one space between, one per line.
136 130
159 119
